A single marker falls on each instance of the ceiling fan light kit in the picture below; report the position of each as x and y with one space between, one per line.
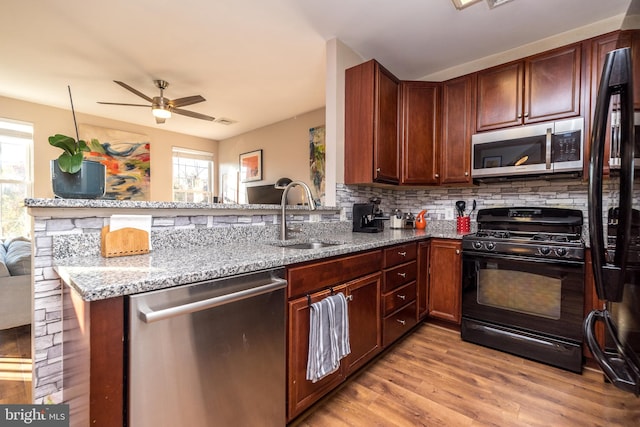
162 107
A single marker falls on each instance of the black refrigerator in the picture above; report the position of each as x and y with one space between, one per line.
614 226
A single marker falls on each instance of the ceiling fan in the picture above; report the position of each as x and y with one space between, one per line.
162 107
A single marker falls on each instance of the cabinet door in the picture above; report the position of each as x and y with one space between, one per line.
420 132
301 392
422 293
458 114
499 96
386 161
364 320
445 281
371 125
552 84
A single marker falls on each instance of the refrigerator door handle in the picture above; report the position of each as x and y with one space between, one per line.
616 79
621 371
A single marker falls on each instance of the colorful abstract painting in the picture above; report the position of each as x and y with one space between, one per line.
127 158
317 162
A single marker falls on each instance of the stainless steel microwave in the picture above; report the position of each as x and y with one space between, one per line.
536 150
615 160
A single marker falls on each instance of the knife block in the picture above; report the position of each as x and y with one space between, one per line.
123 242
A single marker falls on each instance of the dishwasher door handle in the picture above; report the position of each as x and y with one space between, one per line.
148 315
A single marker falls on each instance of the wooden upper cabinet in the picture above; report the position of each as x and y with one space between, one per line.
458 124
372 147
420 132
499 92
538 88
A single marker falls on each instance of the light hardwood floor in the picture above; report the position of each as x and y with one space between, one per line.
15 365
432 378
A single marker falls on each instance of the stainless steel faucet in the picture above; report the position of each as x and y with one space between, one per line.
283 221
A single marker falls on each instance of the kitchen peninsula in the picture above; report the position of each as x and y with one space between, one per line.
191 243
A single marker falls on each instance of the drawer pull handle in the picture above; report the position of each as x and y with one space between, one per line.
403 275
402 297
402 322
402 253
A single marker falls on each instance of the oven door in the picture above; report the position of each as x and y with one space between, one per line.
525 306
538 295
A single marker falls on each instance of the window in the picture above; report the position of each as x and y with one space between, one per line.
192 176
16 142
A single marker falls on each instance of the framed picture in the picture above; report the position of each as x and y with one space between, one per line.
251 166
492 162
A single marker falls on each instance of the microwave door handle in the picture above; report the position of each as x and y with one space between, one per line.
548 150
615 78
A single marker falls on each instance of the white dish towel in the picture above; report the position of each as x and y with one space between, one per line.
328 336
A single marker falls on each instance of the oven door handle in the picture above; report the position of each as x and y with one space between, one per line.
623 372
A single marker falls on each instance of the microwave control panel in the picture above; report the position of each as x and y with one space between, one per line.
566 146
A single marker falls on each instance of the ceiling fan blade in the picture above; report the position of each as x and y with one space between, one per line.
129 105
188 100
137 92
192 114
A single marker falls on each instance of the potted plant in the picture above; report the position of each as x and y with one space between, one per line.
71 175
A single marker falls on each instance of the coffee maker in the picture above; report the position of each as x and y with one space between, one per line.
365 220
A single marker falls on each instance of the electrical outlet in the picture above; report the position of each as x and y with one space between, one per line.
448 213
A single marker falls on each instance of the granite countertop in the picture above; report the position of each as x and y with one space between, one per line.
96 278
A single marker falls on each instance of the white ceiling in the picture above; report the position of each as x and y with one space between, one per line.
255 61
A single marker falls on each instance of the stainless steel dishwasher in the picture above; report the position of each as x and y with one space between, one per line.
209 354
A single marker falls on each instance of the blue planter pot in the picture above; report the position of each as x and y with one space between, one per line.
88 183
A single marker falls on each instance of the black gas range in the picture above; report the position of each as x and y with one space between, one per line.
523 283
551 233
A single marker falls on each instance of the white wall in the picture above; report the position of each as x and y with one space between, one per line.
48 121
285 151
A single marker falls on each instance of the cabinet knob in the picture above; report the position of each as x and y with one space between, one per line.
403 275
402 322
378 170
526 114
402 297
466 173
519 116
457 251
437 175
349 298
402 253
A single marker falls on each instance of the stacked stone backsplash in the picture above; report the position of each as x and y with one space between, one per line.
438 200
61 237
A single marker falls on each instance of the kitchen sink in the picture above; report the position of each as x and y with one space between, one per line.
310 244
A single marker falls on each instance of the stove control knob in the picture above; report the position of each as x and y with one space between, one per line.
490 245
477 245
545 250
561 251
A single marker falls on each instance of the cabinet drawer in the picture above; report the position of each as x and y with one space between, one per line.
398 297
398 324
399 254
307 278
398 276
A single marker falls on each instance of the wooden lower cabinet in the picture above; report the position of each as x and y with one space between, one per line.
363 296
445 280
422 281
